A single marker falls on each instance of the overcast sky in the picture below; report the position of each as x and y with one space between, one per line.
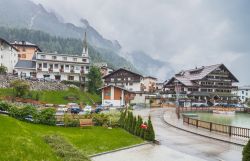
184 33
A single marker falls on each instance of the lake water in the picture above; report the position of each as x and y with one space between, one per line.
239 119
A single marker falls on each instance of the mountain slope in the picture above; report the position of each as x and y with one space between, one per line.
26 14
144 62
50 43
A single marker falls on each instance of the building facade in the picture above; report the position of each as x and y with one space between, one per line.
125 79
116 96
26 50
149 84
243 93
8 55
56 66
208 83
62 67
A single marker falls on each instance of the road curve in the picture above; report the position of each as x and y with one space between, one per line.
191 144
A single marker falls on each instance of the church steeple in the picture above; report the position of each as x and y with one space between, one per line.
85 45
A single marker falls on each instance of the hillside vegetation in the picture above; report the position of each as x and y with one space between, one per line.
58 97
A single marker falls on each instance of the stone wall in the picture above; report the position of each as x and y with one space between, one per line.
34 85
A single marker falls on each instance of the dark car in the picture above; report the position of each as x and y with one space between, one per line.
98 109
75 110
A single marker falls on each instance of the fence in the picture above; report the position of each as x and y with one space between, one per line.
209 109
225 129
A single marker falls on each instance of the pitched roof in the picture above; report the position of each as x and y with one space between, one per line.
26 64
121 70
1 39
187 77
25 43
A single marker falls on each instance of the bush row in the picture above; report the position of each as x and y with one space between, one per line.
135 125
30 113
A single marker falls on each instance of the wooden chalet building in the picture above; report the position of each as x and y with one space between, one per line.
125 79
205 84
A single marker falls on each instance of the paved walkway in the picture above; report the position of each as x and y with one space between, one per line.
171 118
147 152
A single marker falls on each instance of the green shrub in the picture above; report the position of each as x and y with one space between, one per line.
101 119
64 150
20 87
4 106
246 152
46 116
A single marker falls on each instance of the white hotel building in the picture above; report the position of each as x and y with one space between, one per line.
62 67
56 66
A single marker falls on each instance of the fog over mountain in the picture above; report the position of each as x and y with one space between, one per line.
186 33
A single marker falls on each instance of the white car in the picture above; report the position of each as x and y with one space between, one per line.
87 109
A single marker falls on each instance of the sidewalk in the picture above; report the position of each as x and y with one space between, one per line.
147 152
171 118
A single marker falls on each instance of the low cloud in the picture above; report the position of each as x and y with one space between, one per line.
186 33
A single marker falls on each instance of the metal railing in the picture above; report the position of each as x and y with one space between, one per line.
225 129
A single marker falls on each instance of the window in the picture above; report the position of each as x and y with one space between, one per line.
54 57
44 65
56 66
19 55
242 92
77 67
64 58
129 78
71 78
67 67
23 55
74 59
43 56
84 60
112 79
119 79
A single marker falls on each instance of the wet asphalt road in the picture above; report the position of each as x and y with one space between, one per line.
191 144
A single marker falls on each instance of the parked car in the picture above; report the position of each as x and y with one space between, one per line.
98 109
75 110
87 109
29 118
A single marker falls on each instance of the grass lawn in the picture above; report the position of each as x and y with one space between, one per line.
23 141
58 97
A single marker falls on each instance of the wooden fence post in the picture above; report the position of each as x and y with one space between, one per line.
210 128
230 130
197 121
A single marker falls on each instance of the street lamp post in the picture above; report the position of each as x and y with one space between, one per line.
177 90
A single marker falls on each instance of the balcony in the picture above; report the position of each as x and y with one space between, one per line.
50 69
61 70
82 71
72 70
39 69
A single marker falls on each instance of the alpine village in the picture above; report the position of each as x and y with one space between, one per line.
60 106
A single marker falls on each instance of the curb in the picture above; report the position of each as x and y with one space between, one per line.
226 141
120 149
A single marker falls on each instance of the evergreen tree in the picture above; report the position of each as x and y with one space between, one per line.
150 134
144 132
133 125
94 80
246 152
138 126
